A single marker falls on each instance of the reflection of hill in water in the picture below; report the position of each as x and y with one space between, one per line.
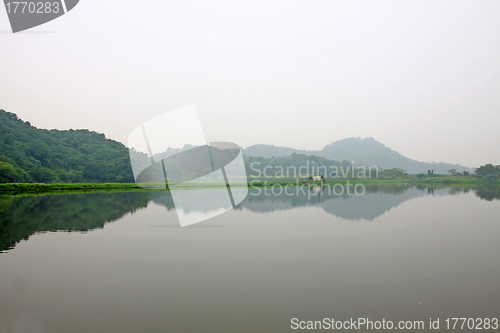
375 202
23 216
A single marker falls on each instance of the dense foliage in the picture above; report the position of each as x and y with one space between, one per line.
488 171
29 154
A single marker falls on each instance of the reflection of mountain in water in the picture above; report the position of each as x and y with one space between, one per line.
23 216
376 201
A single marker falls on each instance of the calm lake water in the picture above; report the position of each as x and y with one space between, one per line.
119 262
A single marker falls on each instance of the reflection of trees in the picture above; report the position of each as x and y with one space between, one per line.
23 216
396 189
488 193
454 191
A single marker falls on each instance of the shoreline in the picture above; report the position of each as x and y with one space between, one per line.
36 188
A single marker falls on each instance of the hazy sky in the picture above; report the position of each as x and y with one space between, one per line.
422 77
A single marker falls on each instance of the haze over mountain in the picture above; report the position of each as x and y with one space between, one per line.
368 152
29 154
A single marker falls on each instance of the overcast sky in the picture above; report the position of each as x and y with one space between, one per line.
422 77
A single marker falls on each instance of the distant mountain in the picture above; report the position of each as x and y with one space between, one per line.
368 152
268 151
29 154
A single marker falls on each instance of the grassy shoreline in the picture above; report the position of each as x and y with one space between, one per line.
34 188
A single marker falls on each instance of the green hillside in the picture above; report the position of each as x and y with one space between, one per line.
32 155
29 154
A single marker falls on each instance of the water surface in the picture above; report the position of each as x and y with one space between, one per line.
119 262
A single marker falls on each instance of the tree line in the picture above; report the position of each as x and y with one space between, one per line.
29 154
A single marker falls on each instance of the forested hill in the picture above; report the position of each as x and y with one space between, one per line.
29 154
